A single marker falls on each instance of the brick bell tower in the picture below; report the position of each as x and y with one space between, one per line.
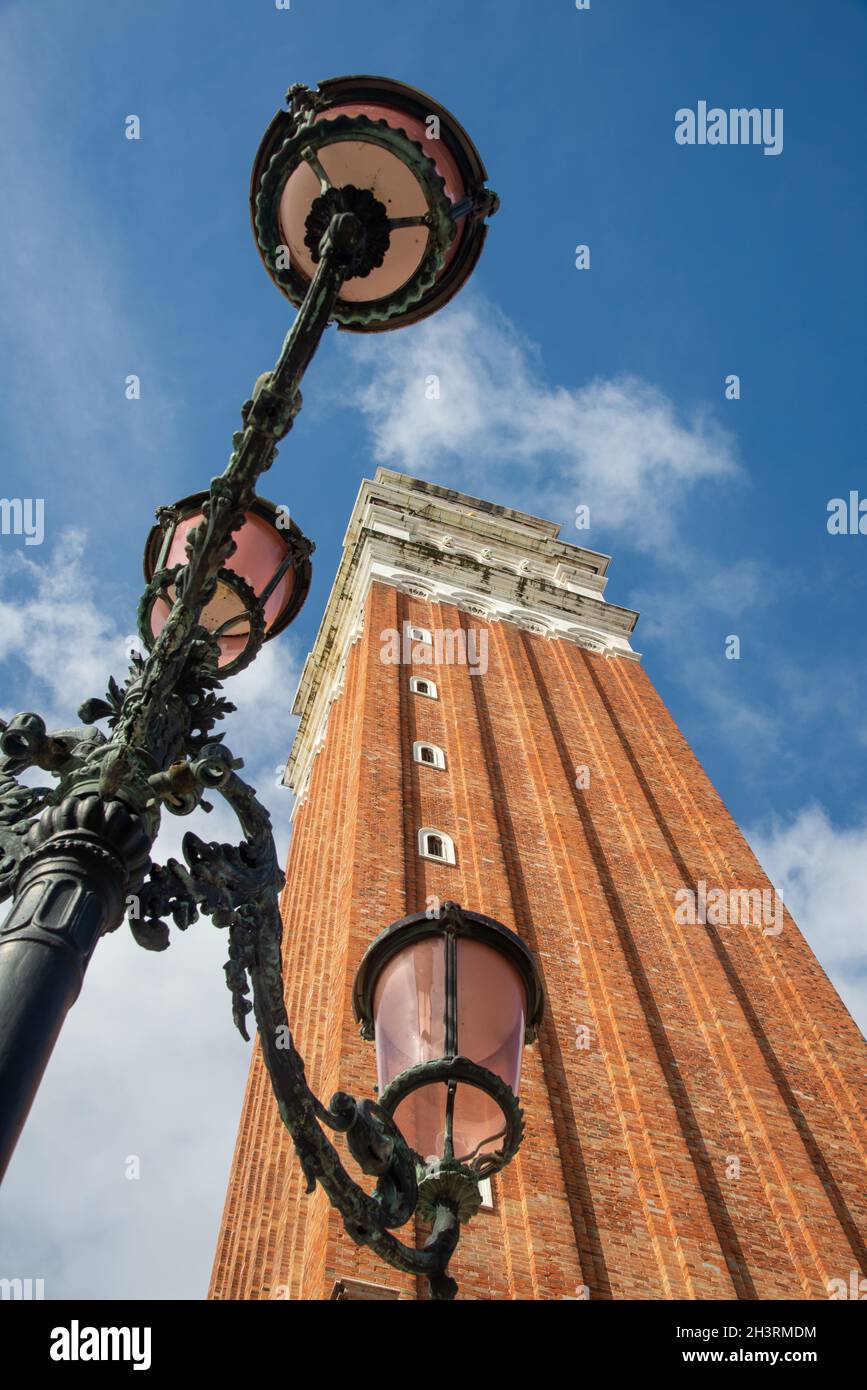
695 1104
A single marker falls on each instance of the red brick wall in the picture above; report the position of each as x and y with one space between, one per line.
707 1043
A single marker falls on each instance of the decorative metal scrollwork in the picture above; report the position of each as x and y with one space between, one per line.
162 755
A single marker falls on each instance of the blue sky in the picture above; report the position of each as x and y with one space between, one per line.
560 387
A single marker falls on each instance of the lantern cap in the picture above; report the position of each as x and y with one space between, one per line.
457 920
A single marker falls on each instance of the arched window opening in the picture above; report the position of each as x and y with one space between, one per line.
437 845
428 754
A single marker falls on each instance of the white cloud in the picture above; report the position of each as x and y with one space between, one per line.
822 872
149 1063
52 622
618 446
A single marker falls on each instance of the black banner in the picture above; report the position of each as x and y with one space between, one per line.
65 1338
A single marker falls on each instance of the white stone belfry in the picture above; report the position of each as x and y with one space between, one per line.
447 547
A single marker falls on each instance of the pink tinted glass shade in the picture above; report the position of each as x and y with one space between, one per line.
369 166
477 1125
492 1005
409 1004
421 1119
261 549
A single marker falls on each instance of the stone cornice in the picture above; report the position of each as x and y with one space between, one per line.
446 546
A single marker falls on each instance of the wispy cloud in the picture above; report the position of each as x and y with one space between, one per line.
775 714
54 624
822 870
466 396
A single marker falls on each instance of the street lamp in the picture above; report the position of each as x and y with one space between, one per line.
402 164
450 1001
258 592
369 208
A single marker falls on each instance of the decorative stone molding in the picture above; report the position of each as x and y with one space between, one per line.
470 604
444 546
529 623
586 642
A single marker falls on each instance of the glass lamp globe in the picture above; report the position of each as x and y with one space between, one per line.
260 588
400 161
450 1002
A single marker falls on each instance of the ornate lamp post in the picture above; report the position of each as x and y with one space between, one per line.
369 207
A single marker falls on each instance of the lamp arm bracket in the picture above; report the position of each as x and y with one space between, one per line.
372 1137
